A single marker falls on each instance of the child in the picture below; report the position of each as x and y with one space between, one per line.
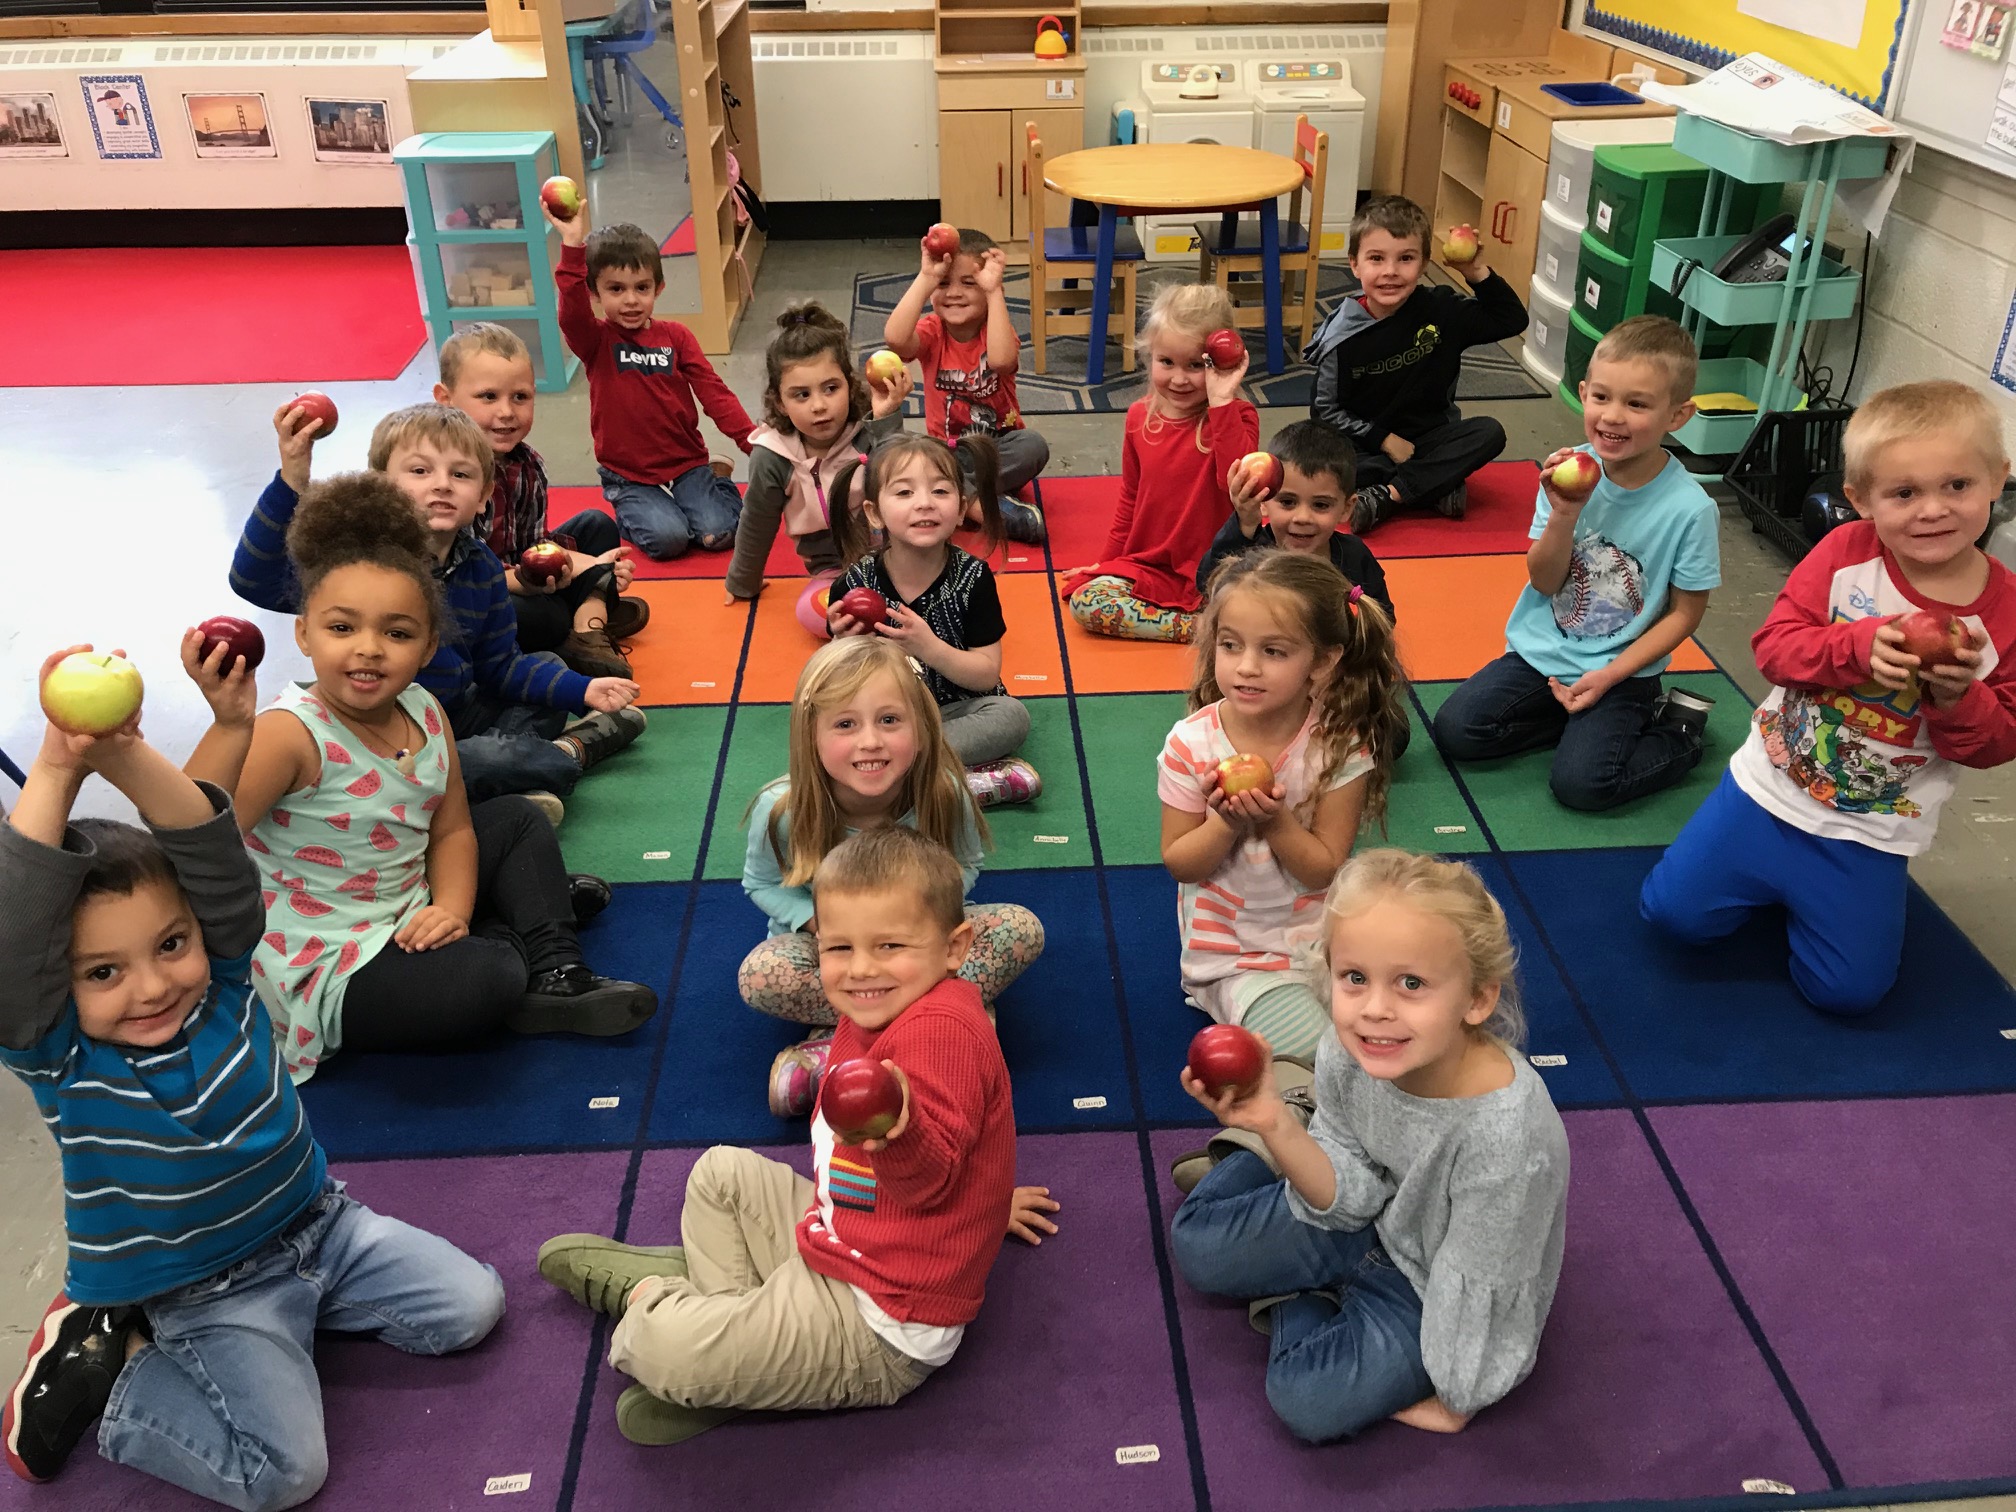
969 351
1182 442
944 609
1616 584
644 376
510 710
486 372
1386 366
867 750
1851 755
352 795
848 1290
1405 1265
1298 667
818 415
207 1240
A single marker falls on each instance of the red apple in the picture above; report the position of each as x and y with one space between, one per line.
1225 348
860 1099
942 240
542 562
238 638
1226 1058
1263 472
1460 245
1577 476
883 368
91 692
864 605
1243 773
1933 638
318 406
562 196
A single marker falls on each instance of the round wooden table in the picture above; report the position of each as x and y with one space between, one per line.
1157 178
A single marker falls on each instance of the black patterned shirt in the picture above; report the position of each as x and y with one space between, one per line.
962 607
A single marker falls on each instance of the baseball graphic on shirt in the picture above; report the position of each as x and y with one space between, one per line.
1605 590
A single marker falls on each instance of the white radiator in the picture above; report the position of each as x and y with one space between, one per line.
847 115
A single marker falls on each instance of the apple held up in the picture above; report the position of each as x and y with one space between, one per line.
542 562
1262 471
92 693
318 406
942 240
1935 639
562 196
1244 773
1225 347
1225 1058
1576 476
884 368
864 606
1460 246
238 638
860 1100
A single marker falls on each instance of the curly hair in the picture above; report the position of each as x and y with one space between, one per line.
806 332
361 518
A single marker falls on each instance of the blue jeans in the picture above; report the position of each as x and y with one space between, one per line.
225 1402
508 747
1346 1348
1844 902
663 519
1608 754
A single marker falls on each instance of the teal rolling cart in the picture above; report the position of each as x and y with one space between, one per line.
481 250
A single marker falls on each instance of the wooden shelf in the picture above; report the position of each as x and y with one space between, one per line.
713 44
968 64
726 12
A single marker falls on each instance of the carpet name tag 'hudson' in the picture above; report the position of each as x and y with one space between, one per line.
1137 1454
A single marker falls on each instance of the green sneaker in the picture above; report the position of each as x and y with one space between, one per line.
599 1273
645 1419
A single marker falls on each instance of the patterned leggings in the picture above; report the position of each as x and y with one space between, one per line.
780 977
1290 1018
1107 606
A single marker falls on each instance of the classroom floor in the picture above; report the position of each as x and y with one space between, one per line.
1789 1238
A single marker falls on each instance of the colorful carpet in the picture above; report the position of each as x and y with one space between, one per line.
1788 1240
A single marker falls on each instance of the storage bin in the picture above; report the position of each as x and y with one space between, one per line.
1719 435
1547 319
1744 303
1557 251
1640 192
1572 158
1582 339
1755 160
1609 288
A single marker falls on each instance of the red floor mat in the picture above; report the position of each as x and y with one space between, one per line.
208 315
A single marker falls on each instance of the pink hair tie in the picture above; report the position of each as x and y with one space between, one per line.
1351 599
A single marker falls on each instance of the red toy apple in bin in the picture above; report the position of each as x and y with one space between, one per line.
1226 1058
238 638
1243 773
860 1100
1263 472
317 405
1577 476
542 562
1460 245
942 240
1226 348
864 605
1933 638
91 692
562 196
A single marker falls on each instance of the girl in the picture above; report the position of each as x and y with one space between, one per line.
866 749
818 414
1405 1265
1182 442
1294 665
944 609
350 792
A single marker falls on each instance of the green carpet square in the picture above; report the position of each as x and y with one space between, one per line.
1123 735
638 817
1052 831
1425 810
758 752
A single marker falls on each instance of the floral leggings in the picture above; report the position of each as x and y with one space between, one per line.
1107 606
780 977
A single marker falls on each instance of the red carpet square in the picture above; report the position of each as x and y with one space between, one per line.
210 315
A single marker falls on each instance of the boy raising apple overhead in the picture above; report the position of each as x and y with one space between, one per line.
1884 649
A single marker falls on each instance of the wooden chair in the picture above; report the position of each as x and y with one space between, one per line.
1301 241
1068 253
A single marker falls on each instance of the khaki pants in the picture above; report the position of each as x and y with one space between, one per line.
751 1324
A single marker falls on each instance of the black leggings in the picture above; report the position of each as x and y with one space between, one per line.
524 924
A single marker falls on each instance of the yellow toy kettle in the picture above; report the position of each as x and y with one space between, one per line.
1050 38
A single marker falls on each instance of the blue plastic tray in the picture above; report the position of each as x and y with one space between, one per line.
1591 94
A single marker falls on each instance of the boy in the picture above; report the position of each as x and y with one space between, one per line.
644 376
969 352
1851 754
207 1240
509 709
894 1237
486 372
1386 366
1615 585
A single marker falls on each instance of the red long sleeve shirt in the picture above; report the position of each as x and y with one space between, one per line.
917 1225
1839 755
645 388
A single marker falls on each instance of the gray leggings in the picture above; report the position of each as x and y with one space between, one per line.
981 730
1024 453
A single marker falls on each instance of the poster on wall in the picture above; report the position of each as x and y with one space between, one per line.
230 125
1992 35
122 122
350 131
29 128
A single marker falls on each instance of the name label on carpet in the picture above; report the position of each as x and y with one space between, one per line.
1032 677
1547 1060
2009 1034
1137 1454
595 1103
1088 1102
1051 839
504 1485
657 855
1452 829
1768 1487
704 685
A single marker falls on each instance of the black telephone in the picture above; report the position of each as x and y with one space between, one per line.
1764 256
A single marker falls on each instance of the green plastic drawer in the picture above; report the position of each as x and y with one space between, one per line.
1641 191
1755 160
1582 339
1745 304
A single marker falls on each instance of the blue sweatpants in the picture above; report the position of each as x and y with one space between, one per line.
1844 902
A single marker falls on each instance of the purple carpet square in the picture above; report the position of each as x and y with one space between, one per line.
1067 1363
1867 1239
398 1423
1647 1384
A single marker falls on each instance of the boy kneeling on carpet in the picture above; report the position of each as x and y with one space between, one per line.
895 1235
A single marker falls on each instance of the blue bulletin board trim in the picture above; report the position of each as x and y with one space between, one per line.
1710 57
2002 367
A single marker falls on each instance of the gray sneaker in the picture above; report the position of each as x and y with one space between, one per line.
1370 505
1453 504
1294 1080
1022 523
600 1273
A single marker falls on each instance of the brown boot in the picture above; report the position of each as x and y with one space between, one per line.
593 654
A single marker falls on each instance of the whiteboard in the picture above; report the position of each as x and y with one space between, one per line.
1946 96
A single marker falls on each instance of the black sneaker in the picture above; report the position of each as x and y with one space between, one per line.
1022 523
630 615
74 1358
1453 504
573 1000
1371 504
595 739
1678 709
589 895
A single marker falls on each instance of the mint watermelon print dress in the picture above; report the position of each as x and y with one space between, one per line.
344 865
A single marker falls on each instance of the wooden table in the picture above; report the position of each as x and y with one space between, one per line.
1160 178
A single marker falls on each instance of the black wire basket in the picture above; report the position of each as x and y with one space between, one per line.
1786 454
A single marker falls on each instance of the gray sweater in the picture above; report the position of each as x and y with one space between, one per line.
1469 1198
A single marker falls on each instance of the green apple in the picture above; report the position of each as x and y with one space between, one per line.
91 692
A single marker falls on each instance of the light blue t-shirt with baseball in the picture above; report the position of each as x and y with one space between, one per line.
1631 546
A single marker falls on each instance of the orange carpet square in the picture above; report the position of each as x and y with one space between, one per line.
687 654
1101 664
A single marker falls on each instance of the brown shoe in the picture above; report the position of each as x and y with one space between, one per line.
593 654
630 615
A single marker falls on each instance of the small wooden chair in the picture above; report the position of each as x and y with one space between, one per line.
1069 252
1301 241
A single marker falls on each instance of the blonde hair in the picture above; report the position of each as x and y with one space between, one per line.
807 822
483 336
1657 340
1941 406
1190 310
853 533
441 424
1450 891
1363 701
893 857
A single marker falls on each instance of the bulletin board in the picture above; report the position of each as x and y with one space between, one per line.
1959 99
1711 33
